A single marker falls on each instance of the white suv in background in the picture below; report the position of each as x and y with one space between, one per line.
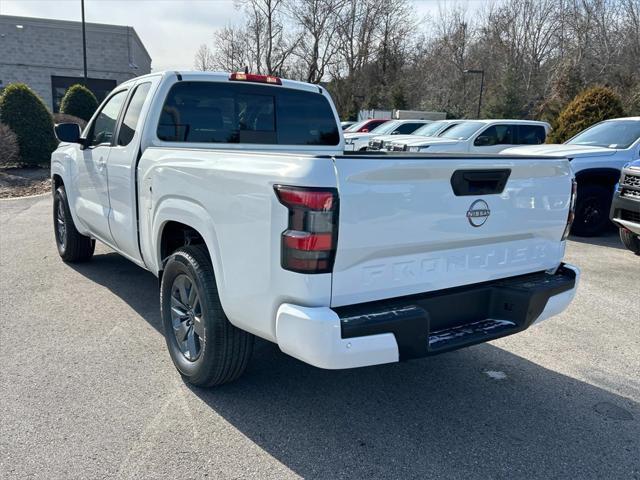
483 136
433 129
360 141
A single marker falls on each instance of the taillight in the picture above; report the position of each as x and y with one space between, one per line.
572 209
250 77
308 245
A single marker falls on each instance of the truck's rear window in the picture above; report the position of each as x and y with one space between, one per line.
214 112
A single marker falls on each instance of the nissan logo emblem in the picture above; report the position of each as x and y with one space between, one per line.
478 213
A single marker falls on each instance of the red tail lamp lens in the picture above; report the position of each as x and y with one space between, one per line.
309 243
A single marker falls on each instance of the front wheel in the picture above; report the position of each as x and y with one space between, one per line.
630 240
72 246
204 346
592 211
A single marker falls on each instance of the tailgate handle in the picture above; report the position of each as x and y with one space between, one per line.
479 182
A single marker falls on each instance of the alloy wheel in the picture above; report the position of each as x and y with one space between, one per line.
186 317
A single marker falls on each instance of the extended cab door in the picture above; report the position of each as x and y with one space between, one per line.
91 182
123 159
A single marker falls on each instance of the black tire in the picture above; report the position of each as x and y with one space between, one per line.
630 240
592 211
72 246
211 351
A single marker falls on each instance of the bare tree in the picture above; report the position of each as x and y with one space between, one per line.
204 58
536 54
273 46
231 49
318 21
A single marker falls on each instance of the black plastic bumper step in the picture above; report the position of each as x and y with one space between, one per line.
436 322
470 333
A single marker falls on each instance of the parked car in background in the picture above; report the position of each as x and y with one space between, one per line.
365 126
257 223
346 124
625 208
597 156
432 129
360 141
483 136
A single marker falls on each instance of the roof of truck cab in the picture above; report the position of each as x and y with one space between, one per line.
188 75
508 120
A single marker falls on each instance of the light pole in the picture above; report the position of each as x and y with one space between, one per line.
84 45
481 72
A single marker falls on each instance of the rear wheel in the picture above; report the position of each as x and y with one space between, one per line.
204 346
592 211
630 240
72 246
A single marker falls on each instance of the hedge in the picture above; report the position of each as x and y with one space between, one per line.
587 108
25 113
79 101
9 151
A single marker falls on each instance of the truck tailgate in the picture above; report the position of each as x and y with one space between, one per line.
412 224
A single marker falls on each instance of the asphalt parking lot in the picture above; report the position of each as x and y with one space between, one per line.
87 389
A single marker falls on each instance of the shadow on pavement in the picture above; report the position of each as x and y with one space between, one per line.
610 239
438 417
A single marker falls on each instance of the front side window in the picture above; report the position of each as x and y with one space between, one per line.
216 112
614 134
132 115
105 123
496 135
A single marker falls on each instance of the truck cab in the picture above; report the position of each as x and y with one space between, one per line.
482 136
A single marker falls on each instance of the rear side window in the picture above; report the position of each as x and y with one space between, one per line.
132 115
531 134
215 112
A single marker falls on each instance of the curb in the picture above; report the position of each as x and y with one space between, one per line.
26 196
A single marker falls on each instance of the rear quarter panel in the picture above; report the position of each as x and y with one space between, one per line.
228 197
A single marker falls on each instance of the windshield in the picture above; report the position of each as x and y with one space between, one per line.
463 130
356 126
386 127
613 134
430 129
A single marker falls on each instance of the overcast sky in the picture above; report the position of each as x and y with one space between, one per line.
171 30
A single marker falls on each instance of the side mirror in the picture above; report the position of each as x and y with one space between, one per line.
482 141
68 133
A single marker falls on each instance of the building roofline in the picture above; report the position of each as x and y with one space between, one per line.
53 22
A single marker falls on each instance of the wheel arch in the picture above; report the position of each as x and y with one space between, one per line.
606 177
180 222
56 181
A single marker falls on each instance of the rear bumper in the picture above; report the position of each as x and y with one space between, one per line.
422 325
625 212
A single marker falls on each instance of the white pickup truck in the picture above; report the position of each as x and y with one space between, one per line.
427 131
234 189
597 156
481 136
